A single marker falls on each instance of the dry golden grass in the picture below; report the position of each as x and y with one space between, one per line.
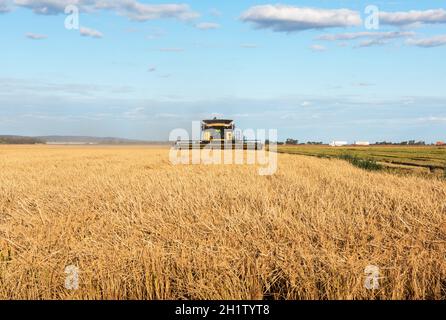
139 228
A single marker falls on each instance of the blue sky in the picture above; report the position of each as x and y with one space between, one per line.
310 69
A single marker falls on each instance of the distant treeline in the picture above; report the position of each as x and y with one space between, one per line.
291 141
19 140
403 143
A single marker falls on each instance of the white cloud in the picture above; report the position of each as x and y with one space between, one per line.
138 11
366 34
215 12
87 32
362 84
370 38
136 113
171 49
35 36
249 45
26 87
306 104
217 115
284 18
402 18
48 7
5 6
132 9
431 119
167 116
435 41
156 33
207 26
318 48
371 43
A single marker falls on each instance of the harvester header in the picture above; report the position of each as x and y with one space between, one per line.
220 134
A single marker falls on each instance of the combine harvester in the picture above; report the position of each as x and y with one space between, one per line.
220 134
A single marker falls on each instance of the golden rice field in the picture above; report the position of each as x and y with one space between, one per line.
138 227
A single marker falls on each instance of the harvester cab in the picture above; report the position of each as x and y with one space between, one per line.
218 130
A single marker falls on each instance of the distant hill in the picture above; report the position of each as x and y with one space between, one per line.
19 140
92 140
5 139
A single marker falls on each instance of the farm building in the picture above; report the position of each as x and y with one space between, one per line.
338 143
362 143
440 143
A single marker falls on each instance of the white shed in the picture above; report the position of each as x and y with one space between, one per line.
338 143
362 143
